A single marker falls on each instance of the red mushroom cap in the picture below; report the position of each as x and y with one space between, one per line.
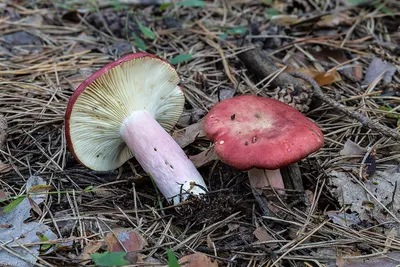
256 132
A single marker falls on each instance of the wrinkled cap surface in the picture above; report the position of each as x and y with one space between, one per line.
256 132
99 106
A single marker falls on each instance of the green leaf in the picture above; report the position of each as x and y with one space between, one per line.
223 36
172 260
118 6
140 43
43 238
267 2
180 58
164 6
147 32
383 9
110 259
192 3
392 115
88 189
237 30
356 2
272 12
13 204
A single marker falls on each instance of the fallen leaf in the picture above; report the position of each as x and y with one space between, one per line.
350 148
197 260
376 68
121 48
344 219
187 135
180 59
321 77
35 20
358 72
124 239
389 260
172 260
90 248
34 206
113 258
204 157
262 235
325 78
335 20
382 185
285 20
23 233
210 243
21 38
3 195
225 93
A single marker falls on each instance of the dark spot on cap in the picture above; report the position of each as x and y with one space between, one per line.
257 115
171 166
155 149
246 143
233 117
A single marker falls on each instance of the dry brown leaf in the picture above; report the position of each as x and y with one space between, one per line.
325 78
34 206
378 67
262 234
204 157
322 78
350 148
124 239
358 72
335 20
187 135
197 260
90 248
141 258
3 195
285 20
210 243
387 260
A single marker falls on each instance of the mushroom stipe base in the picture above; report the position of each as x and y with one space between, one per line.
161 157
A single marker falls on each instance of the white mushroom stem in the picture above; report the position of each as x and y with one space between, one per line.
261 178
161 157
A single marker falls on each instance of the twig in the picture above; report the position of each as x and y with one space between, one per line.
365 121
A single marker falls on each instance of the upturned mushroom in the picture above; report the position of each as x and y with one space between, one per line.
261 135
124 110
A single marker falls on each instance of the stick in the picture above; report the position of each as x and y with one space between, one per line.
260 63
365 121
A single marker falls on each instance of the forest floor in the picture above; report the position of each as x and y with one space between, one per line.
344 210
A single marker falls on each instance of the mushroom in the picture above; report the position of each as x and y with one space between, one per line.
124 110
261 135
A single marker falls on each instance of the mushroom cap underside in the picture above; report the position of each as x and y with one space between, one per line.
99 106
